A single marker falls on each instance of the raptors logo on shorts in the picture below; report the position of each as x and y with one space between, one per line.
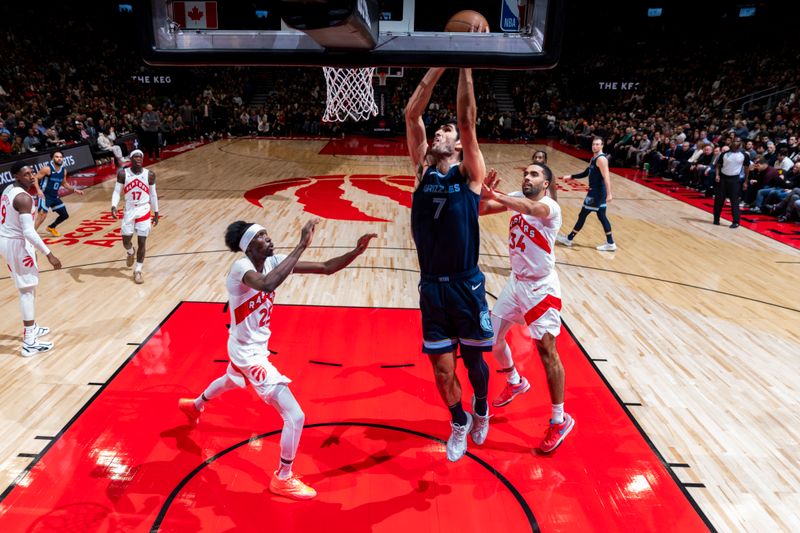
27 261
258 373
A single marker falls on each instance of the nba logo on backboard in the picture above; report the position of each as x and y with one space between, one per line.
509 15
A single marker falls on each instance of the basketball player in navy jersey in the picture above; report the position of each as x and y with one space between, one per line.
596 199
51 177
444 223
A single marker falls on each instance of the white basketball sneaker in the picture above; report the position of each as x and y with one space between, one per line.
563 240
480 426
29 350
607 247
457 443
41 331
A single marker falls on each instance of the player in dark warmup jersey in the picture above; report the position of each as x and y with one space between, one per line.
52 176
444 223
596 200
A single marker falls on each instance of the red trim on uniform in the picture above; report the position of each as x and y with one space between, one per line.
247 307
549 302
533 234
239 370
144 217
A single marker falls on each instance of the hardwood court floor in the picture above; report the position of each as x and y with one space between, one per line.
697 323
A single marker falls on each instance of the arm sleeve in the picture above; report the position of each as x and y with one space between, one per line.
115 196
26 219
153 197
581 174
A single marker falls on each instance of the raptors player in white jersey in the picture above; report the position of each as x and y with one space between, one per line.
532 295
139 186
18 244
251 286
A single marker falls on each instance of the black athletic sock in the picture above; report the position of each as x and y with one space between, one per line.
609 238
572 235
481 406
457 414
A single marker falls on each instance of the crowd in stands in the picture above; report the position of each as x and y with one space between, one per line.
675 123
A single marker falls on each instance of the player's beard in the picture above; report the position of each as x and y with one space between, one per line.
440 150
532 191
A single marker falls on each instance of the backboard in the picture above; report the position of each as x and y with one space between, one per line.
525 34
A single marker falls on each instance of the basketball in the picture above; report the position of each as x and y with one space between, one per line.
467 21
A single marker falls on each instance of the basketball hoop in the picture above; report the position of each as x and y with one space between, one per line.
349 94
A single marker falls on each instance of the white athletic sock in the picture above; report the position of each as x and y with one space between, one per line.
130 250
29 334
513 377
138 267
558 413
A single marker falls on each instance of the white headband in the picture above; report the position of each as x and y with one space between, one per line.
251 232
137 152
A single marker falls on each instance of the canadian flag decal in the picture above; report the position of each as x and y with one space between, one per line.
195 15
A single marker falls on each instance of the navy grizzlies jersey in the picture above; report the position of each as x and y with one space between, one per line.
444 222
52 183
597 185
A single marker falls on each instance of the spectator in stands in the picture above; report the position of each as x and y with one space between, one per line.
782 162
151 125
106 145
790 181
750 150
168 130
771 154
702 172
5 144
789 208
31 142
16 145
793 148
187 114
764 176
3 128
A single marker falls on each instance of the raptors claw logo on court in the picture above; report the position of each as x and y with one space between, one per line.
27 261
324 196
258 373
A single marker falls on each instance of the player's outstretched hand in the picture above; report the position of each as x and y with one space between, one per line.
490 184
54 261
308 232
363 242
491 179
78 191
155 218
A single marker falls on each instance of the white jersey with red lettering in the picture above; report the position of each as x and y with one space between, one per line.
137 193
10 224
250 309
531 242
532 295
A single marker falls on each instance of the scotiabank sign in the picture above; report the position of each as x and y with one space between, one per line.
75 158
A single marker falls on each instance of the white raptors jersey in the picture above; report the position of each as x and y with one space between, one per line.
250 309
531 241
10 224
137 192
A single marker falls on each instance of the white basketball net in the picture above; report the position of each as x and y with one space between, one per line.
350 94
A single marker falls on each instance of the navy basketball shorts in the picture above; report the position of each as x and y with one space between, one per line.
53 202
594 200
455 313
